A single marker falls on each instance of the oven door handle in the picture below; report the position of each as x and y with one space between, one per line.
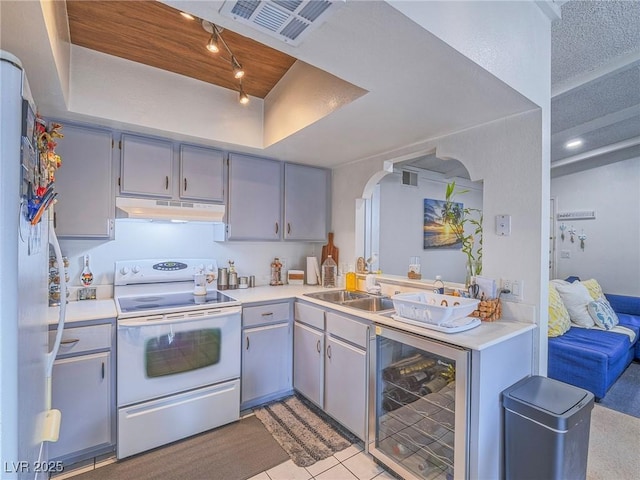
173 319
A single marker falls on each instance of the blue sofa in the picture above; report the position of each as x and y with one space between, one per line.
593 359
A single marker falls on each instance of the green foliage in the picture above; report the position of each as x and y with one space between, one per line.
457 218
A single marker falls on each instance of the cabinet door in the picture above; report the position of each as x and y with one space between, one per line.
84 184
201 174
81 390
255 190
306 206
146 166
345 395
266 361
308 369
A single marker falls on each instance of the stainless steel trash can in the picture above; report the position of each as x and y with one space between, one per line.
546 427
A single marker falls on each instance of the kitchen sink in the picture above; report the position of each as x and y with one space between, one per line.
371 304
357 300
338 296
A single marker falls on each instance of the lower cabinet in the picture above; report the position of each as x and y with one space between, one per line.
266 353
83 391
330 365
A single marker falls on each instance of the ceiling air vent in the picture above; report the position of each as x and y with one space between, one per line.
287 20
409 178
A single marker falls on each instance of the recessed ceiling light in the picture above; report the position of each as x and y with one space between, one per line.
188 16
573 143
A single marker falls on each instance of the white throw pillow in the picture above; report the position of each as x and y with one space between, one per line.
576 298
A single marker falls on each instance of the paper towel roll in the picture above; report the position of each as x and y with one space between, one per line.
313 271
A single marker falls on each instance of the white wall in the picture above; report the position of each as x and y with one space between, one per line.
402 216
611 252
136 239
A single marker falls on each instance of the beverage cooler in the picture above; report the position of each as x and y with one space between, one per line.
418 411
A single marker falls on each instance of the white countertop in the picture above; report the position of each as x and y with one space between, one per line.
84 310
479 338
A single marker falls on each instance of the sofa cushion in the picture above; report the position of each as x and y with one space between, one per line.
589 358
575 297
559 321
602 313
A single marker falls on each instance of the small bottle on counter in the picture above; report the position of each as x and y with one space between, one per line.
86 277
351 281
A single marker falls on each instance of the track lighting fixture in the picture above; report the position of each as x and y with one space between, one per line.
238 72
243 98
213 45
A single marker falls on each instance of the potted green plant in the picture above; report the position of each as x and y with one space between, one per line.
458 217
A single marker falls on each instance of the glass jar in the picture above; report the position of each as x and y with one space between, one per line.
351 281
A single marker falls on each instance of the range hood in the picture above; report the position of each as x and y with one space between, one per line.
145 208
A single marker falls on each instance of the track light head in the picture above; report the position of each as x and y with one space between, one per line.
212 46
238 71
243 98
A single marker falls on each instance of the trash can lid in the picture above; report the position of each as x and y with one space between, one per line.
548 394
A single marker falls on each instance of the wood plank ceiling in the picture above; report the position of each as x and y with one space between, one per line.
155 34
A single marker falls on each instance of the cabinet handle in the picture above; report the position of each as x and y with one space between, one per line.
185 184
247 343
69 342
329 351
103 370
318 346
166 182
288 228
277 228
267 314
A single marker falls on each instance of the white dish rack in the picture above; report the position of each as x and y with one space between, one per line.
444 313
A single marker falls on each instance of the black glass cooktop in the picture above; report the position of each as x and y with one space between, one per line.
169 301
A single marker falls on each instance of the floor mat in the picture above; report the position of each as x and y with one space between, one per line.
236 451
306 433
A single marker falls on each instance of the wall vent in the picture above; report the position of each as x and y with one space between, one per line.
409 178
287 20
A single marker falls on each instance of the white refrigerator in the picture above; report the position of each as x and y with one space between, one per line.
26 418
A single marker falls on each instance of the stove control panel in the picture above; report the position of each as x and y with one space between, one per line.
129 272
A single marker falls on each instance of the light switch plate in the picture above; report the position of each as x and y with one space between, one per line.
503 225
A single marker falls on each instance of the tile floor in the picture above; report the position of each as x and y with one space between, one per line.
352 463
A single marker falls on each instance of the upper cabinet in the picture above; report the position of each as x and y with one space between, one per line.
255 193
306 202
258 190
201 174
85 180
146 167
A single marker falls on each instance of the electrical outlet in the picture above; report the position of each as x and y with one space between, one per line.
515 288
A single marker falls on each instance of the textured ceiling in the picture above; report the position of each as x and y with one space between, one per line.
595 72
590 34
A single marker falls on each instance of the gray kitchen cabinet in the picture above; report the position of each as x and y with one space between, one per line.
201 174
266 353
146 166
306 202
85 206
255 193
330 364
308 365
83 391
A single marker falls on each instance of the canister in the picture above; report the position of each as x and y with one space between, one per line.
223 279
243 282
233 280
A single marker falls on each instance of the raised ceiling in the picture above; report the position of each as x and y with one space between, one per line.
157 35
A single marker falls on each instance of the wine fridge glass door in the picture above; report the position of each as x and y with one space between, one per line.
420 410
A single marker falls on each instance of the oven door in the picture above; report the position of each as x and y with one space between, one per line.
164 354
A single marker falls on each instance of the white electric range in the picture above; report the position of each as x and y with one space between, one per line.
178 354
